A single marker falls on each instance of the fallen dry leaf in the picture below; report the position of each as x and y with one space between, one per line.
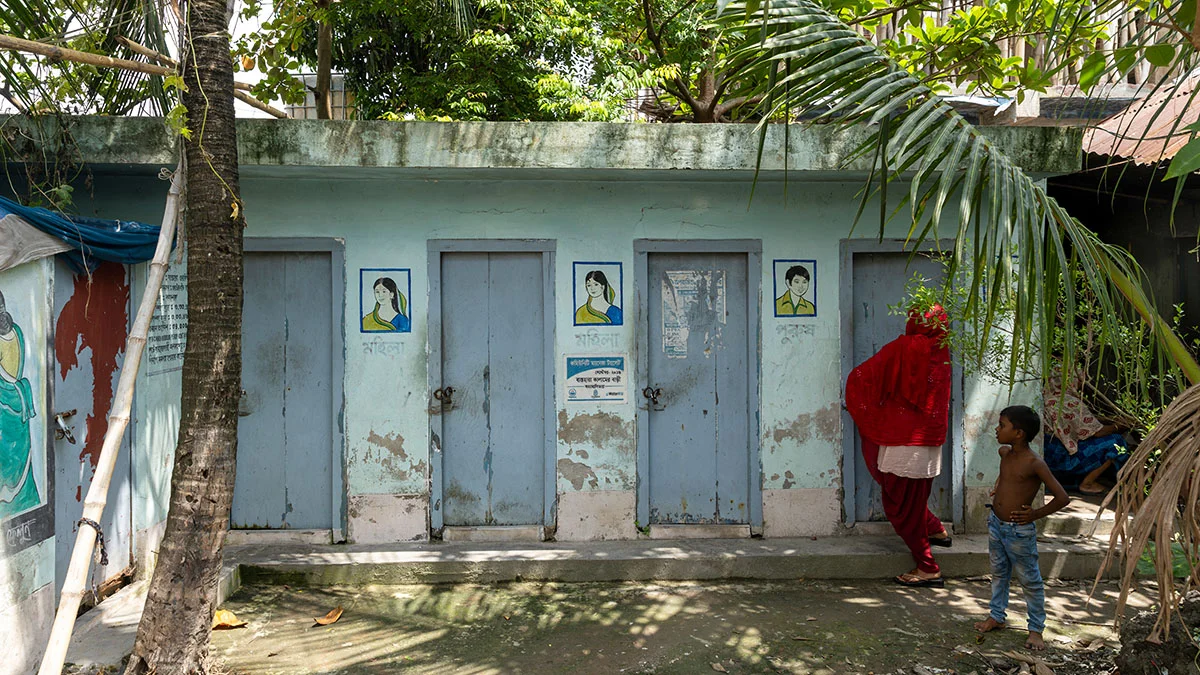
225 619
1032 663
811 618
333 615
719 668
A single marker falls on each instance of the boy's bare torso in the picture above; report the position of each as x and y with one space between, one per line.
1018 482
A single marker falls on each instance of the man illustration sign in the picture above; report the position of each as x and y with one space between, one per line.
793 302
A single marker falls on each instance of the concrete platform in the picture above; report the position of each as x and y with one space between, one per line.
859 557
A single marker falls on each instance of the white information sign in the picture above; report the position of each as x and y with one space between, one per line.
596 379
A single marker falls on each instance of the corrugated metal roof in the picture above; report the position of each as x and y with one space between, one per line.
1152 129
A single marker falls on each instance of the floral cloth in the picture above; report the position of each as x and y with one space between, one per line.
1067 417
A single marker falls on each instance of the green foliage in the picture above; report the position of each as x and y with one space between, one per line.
42 85
588 60
1187 160
1181 564
1123 383
597 60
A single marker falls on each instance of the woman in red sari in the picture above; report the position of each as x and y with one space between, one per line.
900 402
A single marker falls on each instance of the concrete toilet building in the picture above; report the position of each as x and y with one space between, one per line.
499 331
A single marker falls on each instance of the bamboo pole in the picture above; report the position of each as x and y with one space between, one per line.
239 88
163 58
42 49
255 103
97 496
101 61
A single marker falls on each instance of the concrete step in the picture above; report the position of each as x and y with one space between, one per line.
858 557
1078 518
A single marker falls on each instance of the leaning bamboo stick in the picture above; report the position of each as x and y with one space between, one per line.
255 103
42 49
99 60
138 48
97 496
238 86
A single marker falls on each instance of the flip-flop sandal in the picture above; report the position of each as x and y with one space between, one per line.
945 542
936 582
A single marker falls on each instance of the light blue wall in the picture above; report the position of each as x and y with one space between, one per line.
386 222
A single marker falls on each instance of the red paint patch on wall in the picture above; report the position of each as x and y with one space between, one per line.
96 318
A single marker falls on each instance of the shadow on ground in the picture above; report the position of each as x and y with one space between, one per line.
749 627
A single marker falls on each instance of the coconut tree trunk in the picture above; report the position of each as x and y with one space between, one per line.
174 633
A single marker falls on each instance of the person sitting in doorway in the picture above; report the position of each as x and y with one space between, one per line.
1080 447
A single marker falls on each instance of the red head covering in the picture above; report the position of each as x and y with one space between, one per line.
901 396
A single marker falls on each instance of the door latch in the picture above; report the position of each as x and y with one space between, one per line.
64 431
445 395
651 394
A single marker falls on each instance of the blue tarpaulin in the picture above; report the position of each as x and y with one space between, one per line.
91 239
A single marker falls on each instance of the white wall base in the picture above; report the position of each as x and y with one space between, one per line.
802 512
597 515
26 627
387 519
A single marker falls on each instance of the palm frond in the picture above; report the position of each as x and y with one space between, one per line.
1158 500
91 26
815 67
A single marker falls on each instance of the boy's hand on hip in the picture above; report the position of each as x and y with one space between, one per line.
1022 515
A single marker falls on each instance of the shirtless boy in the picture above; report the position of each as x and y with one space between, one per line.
1012 532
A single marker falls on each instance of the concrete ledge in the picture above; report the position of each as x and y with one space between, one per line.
122 143
699 531
862 557
278 537
501 533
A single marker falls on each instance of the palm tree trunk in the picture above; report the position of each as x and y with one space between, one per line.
174 632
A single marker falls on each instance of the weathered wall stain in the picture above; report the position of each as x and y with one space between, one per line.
95 318
395 460
789 479
577 473
824 424
393 443
978 428
602 430
456 492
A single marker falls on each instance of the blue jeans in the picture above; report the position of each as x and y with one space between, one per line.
1013 547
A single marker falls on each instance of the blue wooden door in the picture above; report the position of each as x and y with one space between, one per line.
698 374
493 356
879 280
91 323
285 425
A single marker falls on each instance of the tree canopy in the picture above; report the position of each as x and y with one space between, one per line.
667 60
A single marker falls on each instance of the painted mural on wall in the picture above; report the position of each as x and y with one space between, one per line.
384 295
18 480
598 293
795 288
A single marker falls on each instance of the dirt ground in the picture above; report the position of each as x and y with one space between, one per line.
743 627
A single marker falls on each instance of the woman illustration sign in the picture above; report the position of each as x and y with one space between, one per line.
600 306
18 489
391 309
